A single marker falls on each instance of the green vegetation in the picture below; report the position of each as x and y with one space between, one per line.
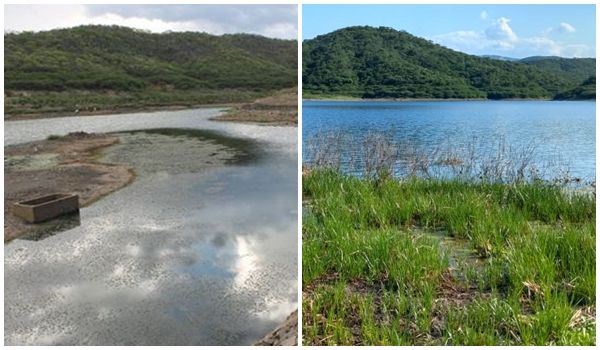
70 101
367 62
433 262
107 67
585 91
246 150
576 69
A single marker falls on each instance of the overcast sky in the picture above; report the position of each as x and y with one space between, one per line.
275 21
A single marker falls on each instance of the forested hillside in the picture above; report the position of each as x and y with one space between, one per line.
109 66
382 62
578 69
585 91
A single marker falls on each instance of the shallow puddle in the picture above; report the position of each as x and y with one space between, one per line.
458 252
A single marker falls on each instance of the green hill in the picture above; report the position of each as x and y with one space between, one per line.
382 62
110 66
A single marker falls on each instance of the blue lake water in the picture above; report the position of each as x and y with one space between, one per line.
557 132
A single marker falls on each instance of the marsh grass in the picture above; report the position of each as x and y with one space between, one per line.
370 275
381 154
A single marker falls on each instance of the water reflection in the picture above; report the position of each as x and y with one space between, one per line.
213 260
173 259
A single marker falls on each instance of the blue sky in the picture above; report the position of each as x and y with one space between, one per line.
507 30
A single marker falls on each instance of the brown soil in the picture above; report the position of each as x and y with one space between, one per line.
280 109
69 165
284 335
583 317
452 294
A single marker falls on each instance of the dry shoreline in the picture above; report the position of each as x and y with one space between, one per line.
280 109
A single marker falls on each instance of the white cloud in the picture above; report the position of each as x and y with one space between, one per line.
562 28
280 30
50 18
463 40
278 21
499 38
543 45
566 28
40 17
483 14
153 25
576 50
502 33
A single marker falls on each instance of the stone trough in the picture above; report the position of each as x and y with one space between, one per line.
46 207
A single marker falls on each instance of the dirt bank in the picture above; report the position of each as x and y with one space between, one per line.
59 164
285 334
280 109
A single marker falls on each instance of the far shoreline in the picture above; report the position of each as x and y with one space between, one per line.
356 99
101 112
277 109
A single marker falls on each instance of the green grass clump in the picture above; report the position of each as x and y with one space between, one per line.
374 272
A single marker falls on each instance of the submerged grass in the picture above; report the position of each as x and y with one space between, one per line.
370 275
246 150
